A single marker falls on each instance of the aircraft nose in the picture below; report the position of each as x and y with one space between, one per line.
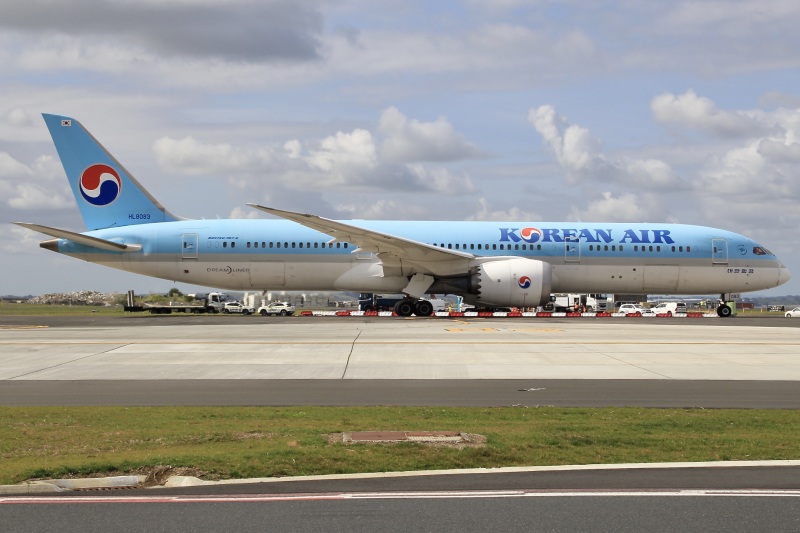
783 274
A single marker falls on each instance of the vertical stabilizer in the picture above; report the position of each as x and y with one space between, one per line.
106 193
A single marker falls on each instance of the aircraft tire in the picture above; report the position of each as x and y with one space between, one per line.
423 308
723 311
404 308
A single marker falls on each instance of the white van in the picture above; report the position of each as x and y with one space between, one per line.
670 308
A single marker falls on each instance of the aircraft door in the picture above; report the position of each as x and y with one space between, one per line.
572 249
719 251
189 246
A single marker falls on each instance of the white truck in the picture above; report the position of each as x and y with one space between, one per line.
213 302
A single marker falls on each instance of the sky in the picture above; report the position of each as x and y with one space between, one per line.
524 110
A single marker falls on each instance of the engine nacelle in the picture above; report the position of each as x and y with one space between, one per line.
511 281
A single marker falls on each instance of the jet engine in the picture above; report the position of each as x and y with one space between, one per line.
511 281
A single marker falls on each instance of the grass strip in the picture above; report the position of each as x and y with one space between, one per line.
236 442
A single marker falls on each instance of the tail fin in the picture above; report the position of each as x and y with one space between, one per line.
106 193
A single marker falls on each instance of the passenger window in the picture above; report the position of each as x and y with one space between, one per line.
233 244
224 244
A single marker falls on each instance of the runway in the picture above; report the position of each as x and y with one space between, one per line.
430 362
297 361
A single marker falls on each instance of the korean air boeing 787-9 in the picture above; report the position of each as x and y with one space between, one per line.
488 263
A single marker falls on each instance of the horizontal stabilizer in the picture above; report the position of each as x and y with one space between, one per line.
82 239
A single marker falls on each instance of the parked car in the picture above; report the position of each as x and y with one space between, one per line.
276 308
670 308
236 307
634 309
794 313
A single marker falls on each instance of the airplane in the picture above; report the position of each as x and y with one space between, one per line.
498 264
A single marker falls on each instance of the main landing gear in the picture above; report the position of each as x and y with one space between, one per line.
408 307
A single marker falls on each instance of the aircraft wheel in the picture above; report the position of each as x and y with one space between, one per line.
723 311
404 308
423 308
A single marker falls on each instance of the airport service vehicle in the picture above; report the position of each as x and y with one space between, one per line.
670 308
237 307
636 310
487 263
276 308
389 302
572 302
213 302
793 313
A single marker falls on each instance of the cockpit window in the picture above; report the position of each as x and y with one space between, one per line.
758 250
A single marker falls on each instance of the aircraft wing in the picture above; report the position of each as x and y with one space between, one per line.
80 238
391 249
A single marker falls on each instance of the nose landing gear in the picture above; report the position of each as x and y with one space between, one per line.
724 311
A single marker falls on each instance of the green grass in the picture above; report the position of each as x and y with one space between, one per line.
235 442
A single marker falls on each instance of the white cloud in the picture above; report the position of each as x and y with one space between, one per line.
196 158
410 141
11 168
33 187
342 161
337 154
623 208
441 180
696 112
485 212
18 117
580 155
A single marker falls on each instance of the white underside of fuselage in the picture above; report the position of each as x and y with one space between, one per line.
346 273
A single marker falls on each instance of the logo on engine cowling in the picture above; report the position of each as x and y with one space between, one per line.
524 282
